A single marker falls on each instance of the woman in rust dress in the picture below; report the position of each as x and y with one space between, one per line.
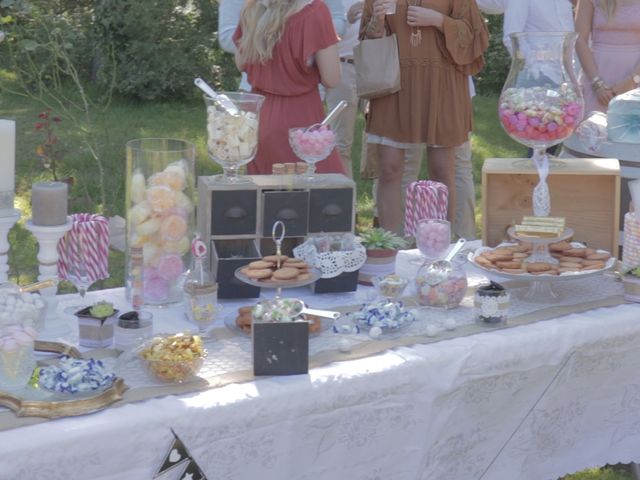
440 43
287 48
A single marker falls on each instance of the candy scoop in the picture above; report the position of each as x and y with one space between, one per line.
440 269
222 100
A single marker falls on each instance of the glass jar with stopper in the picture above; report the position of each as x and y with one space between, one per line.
200 289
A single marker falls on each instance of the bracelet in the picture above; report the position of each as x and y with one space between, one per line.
597 83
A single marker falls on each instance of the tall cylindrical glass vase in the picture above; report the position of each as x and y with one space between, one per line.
160 189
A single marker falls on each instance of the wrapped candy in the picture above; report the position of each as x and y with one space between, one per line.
539 115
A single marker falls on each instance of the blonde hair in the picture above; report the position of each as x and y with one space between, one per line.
263 23
609 8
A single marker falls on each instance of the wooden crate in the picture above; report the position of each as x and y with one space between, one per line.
586 191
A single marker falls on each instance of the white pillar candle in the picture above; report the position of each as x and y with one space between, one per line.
49 204
7 164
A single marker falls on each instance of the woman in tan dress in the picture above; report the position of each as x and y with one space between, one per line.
440 43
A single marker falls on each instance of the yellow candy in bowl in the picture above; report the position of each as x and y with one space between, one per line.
173 358
390 286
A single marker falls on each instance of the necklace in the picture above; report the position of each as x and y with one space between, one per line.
416 34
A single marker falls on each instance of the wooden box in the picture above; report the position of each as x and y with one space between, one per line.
586 191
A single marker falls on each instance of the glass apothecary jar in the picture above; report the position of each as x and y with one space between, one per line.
160 192
438 289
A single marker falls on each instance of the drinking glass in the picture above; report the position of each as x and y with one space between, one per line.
433 237
312 145
79 264
541 103
232 132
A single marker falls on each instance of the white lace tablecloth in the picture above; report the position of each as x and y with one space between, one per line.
532 402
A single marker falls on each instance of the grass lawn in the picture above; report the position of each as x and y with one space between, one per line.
124 121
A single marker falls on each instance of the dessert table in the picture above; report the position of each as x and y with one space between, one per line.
535 401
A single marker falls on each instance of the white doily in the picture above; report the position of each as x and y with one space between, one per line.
331 264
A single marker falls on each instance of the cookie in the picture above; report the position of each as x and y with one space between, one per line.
538 267
484 261
296 263
560 246
576 252
599 256
304 276
259 273
511 264
275 258
286 273
260 265
514 270
593 267
591 263
504 251
575 265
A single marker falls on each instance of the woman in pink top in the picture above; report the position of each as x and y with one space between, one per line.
287 48
609 49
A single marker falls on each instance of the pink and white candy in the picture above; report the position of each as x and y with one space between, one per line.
317 142
433 237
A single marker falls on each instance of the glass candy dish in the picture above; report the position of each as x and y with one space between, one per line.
172 358
232 133
312 145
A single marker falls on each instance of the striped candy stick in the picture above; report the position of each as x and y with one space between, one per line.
425 199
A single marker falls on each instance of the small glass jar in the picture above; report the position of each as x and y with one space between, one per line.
17 360
132 329
201 295
491 304
441 289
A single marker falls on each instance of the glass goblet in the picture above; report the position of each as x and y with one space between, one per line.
433 237
312 145
541 103
78 268
232 133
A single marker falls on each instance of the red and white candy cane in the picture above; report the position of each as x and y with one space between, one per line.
425 199
93 233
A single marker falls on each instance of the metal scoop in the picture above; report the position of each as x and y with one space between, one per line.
332 115
222 100
299 307
439 270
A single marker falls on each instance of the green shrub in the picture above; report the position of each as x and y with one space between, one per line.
157 47
497 60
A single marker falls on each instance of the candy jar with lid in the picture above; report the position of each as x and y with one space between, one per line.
440 287
200 289
541 103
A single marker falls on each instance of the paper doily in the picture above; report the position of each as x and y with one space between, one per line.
331 264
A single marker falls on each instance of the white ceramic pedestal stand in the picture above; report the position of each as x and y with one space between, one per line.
48 238
6 223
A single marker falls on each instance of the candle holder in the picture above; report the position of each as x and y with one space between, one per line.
6 223
48 238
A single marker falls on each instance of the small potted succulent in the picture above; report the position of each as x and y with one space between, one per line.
382 247
95 324
631 282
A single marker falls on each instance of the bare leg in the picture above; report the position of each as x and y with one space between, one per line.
442 168
389 196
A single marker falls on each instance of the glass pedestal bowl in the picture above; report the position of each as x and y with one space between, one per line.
541 103
312 145
232 132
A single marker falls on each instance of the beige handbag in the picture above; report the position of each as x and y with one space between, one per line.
377 67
